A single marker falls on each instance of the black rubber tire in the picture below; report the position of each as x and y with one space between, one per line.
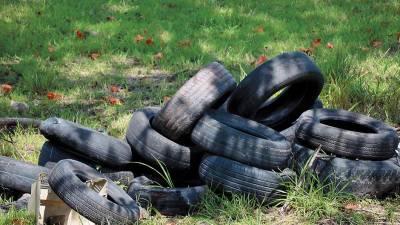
8 122
18 175
241 139
318 104
150 144
228 175
347 134
360 177
96 146
52 153
67 180
290 132
294 71
18 205
210 85
167 201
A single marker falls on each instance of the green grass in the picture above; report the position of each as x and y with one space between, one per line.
40 53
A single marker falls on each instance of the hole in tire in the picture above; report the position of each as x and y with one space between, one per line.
346 125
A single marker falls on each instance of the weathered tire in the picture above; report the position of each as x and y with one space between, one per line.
228 175
18 175
294 71
8 122
347 134
167 201
360 177
241 139
67 180
52 153
209 86
290 132
151 145
96 146
20 204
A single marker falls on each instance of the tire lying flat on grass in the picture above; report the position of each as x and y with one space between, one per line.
294 72
228 175
241 139
209 86
18 175
167 201
360 177
52 153
67 180
153 146
347 134
96 146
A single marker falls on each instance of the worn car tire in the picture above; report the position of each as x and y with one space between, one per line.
151 145
228 175
18 175
167 201
294 72
360 177
241 139
52 153
347 134
96 146
290 132
67 180
209 86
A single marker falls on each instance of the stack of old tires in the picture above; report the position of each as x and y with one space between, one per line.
230 134
243 138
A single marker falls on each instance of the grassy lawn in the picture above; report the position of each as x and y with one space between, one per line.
63 58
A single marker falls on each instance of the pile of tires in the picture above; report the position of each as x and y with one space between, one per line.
248 138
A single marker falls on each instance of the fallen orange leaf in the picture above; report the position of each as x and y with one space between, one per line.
308 51
149 41
51 48
17 222
316 42
80 35
166 98
114 101
329 45
94 55
115 88
6 88
53 96
138 38
376 43
365 49
259 29
185 43
261 59
109 18
158 56
350 206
